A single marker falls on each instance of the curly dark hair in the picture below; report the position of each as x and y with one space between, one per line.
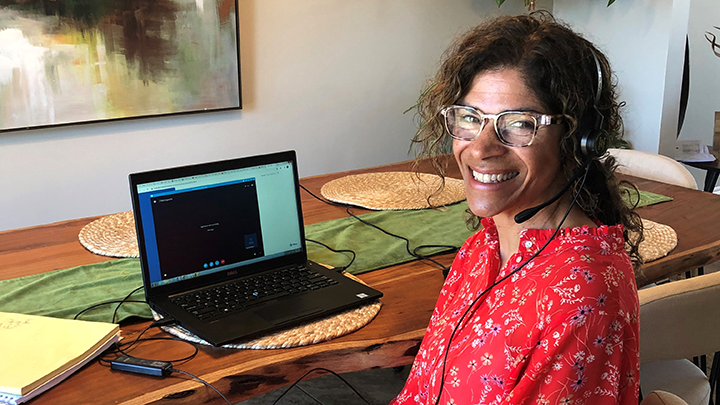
559 66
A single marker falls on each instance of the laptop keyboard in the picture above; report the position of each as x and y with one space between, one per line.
229 298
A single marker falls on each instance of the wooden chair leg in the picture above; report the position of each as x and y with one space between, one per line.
714 376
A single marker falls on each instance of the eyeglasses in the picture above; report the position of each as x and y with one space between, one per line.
513 128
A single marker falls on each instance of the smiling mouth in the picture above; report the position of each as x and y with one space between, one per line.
493 178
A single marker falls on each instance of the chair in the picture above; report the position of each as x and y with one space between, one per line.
662 398
678 320
653 166
659 168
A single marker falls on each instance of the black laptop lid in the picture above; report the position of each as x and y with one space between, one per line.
202 224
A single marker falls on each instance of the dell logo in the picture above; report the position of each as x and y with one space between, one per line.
232 273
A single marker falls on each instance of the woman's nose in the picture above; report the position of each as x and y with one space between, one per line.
487 143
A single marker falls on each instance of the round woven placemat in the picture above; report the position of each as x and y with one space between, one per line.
301 335
393 190
659 240
112 235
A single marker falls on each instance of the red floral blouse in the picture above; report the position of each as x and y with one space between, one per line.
562 330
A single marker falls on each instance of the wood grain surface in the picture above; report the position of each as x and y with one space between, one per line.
391 339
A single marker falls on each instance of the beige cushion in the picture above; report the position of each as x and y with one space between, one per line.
680 377
680 319
662 398
653 166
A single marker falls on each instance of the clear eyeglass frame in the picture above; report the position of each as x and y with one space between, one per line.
522 136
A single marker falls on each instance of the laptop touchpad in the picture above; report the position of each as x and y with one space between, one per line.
278 312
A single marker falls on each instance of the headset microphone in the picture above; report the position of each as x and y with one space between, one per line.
530 212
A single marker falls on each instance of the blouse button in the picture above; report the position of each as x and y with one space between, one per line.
528 244
519 259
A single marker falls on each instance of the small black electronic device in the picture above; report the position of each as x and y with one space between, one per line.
141 366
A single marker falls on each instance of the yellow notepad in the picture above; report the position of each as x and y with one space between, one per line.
35 349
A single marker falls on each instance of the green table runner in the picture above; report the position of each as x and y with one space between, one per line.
64 293
375 249
644 198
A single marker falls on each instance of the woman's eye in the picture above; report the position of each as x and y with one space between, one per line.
469 119
520 124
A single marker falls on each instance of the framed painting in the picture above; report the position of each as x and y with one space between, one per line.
73 61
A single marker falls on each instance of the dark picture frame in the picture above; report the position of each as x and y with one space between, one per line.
65 62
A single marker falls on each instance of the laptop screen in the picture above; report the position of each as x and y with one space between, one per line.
206 223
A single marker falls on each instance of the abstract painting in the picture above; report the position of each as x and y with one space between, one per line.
72 61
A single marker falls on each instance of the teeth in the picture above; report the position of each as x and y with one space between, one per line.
493 178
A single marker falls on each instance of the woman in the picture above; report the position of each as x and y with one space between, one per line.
517 321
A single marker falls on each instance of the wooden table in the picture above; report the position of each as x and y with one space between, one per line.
391 339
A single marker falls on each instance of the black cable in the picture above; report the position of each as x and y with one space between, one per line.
174 339
448 249
174 370
328 202
119 302
339 269
104 303
320 369
119 346
309 394
457 327
131 344
407 241
124 347
412 253
127 297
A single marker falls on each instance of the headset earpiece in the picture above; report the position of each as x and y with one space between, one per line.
594 143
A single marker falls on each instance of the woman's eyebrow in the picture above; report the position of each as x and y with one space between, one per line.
521 109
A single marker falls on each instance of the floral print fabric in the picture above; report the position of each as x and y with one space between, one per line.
563 329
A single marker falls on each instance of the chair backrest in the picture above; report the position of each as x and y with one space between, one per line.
653 166
680 319
662 398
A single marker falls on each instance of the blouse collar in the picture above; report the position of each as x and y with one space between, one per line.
532 239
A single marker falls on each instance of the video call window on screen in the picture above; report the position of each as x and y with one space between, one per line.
201 229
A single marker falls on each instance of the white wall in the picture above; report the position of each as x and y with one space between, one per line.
704 95
644 40
328 78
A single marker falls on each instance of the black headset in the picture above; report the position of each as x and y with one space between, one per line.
594 142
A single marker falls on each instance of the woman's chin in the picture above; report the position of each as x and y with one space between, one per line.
483 211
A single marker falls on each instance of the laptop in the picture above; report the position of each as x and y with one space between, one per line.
231 233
